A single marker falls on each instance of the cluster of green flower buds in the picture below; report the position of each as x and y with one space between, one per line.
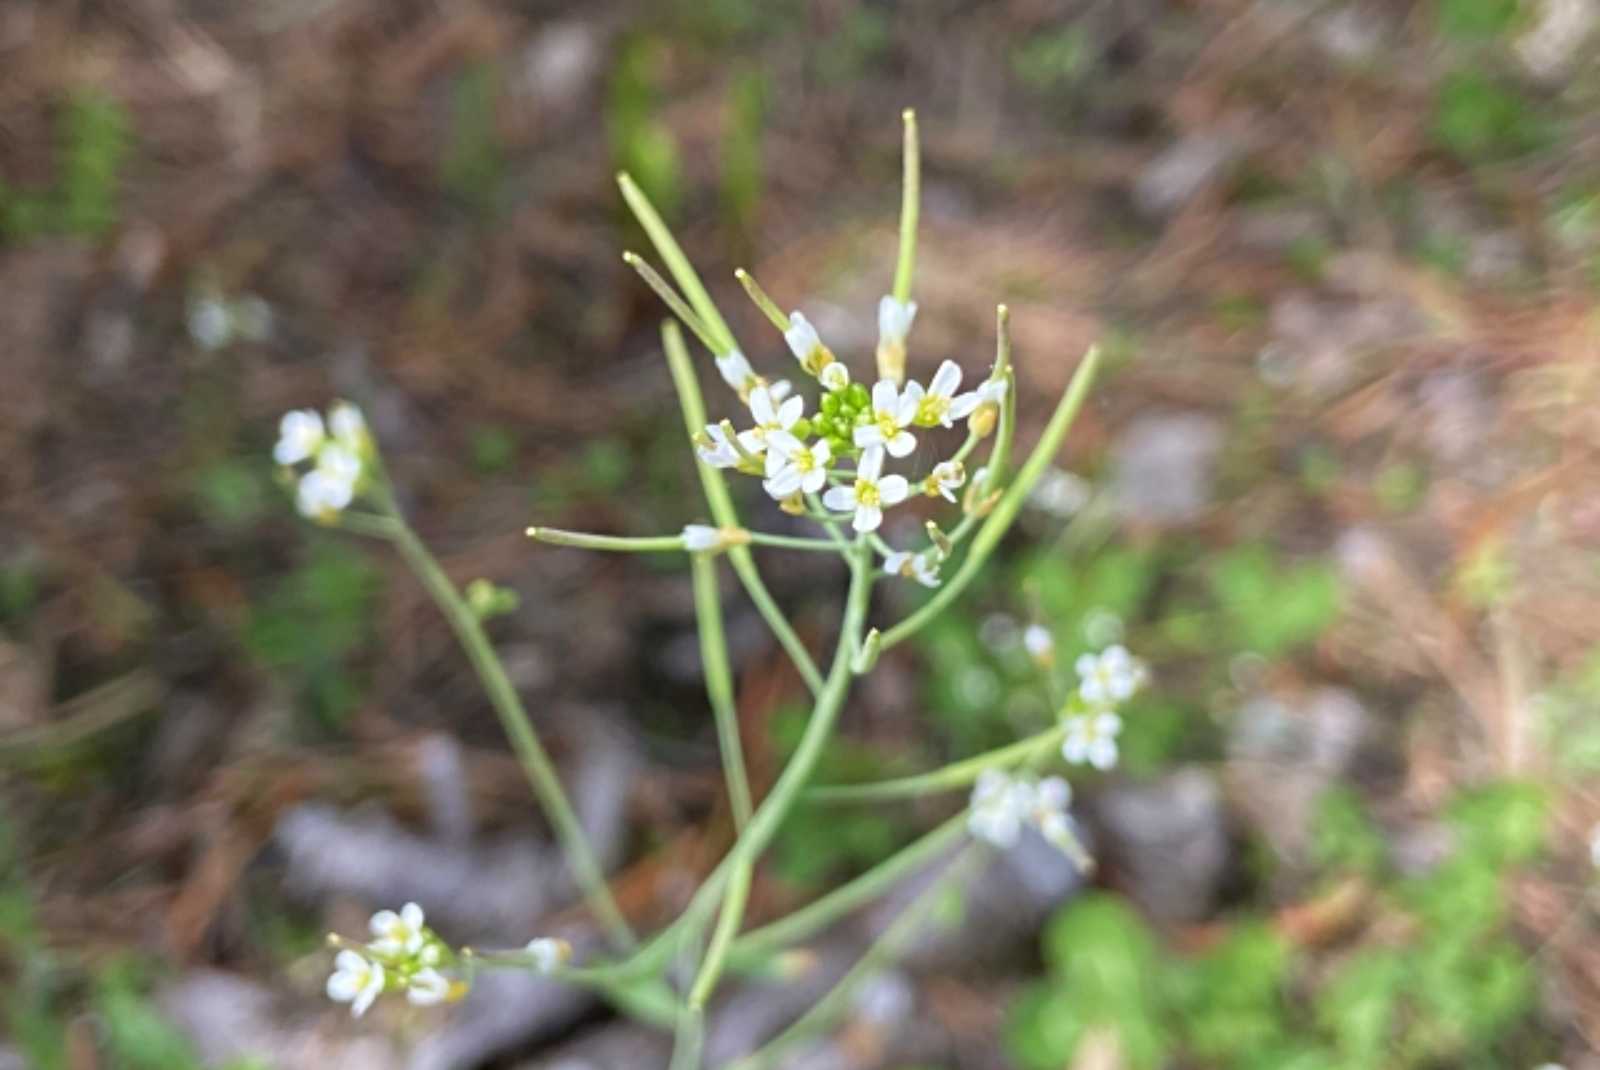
841 413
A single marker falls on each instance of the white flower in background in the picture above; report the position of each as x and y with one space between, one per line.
871 492
1051 797
835 377
779 390
1040 644
1092 739
807 348
1059 493
793 466
300 435
737 373
549 955
398 934
920 567
771 416
321 496
347 426
355 981
1594 845
1110 677
703 538
1000 806
945 478
894 323
427 986
209 321
892 411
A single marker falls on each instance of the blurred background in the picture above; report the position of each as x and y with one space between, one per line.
1337 485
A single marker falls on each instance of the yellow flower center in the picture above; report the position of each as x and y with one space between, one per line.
886 425
802 460
866 493
932 409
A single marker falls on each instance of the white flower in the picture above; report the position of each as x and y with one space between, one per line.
1594 846
702 538
1109 678
779 390
938 404
320 496
355 981
398 934
1039 643
807 348
794 466
1059 493
990 392
835 377
892 412
427 986
894 319
1051 796
549 955
945 478
1000 806
716 447
210 324
348 426
870 493
300 435
770 416
919 567
1092 738
737 373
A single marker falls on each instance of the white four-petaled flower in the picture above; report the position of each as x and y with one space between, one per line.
1092 738
771 416
1110 677
1000 806
398 934
892 412
347 426
1039 643
355 981
806 346
870 493
945 478
737 373
717 448
938 405
794 466
427 986
300 435
990 392
920 567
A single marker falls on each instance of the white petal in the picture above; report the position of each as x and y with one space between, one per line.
412 915
791 411
834 377
784 443
963 405
1107 725
780 390
905 409
867 518
871 463
821 453
761 406
893 489
946 380
801 336
814 480
1053 793
884 396
840 499
784 483
867 435
548 954
1085 665
735 369
895 317
895 562
427 987
1103 754
903 445
380 924
347 424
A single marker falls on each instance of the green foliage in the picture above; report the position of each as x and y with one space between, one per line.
1060 58
494 449
1455 990
232 493
742 173
310 624
135 1035
1272 609
1567 720
1480 119
94 135
473 167
863 38
641 142
1476 20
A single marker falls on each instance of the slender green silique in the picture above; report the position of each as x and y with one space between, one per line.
615 543
817 915
996 524
910 203
720 503
535 761
767 305
891 944
719 684
670 298
678 266
947 778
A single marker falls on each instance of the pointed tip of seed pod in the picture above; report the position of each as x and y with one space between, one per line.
630 257
1003 312
909 115
741 274
531 532
624 179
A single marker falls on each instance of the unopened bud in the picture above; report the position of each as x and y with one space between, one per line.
794 504
983 419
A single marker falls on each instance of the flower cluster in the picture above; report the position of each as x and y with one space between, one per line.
404 955
330 459
831 463
1003 805
1105 681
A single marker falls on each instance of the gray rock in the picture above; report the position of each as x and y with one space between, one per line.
1181 172
1168 841
1163 467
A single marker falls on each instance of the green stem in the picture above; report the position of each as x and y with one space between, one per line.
618 543
719 684
820 913
792 542
910 200
948 778
883 950
722 511
767 305
1005 511
681 270
514 720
